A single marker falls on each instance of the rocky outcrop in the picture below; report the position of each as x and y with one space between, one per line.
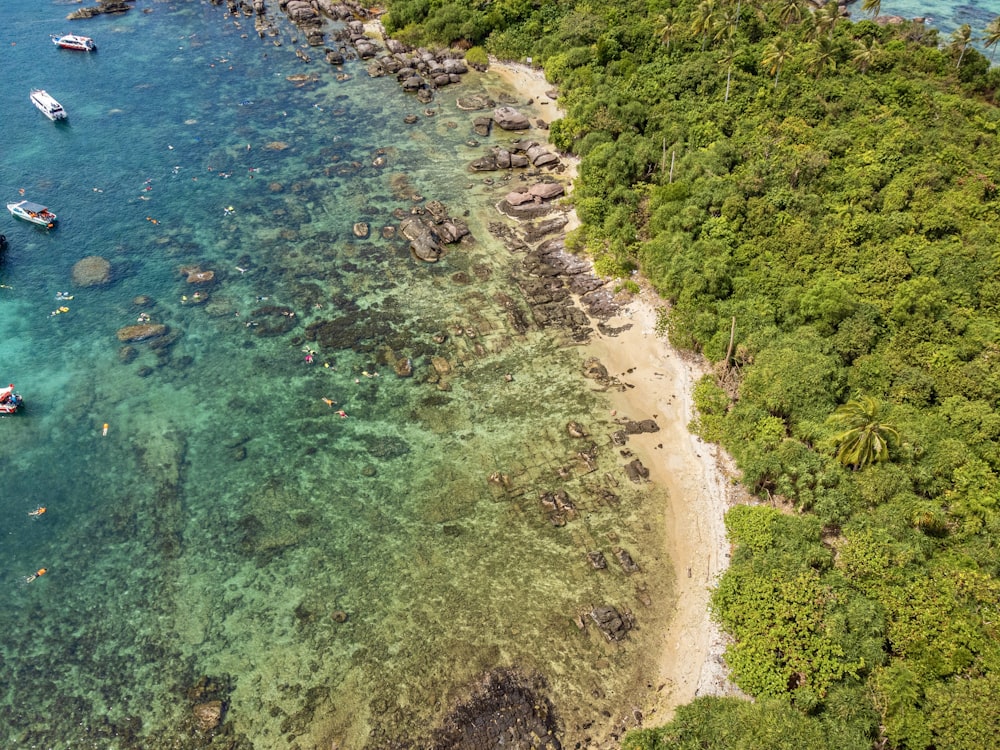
92 271
301 12
141 332
103 6
429 228
515 155
424 242
614 625
506 709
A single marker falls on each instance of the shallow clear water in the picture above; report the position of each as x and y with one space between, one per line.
229 513
945 15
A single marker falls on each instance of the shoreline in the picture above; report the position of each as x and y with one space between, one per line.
696 475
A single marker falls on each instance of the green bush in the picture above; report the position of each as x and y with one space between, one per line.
477 58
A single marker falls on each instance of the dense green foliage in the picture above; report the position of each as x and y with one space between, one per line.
831 187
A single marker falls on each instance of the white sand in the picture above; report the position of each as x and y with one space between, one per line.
695 474
699 489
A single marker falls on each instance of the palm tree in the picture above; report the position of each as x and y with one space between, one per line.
728 19
704 20
961 38
668 26
872 6
864 55
776 55
866 439
992 37
726 60
824 20
790 11
821 56
828 16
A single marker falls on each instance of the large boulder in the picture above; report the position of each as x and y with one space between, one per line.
509 118
546 190
92 271
423 241
301 12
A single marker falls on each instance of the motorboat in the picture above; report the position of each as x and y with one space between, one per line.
33 212
10 401
74 41
47 105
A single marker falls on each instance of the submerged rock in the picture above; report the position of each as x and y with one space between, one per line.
141 332
505 709
208 715
613 624
91 271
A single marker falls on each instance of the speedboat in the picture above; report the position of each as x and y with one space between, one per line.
10 402
33 212
47 105
73 41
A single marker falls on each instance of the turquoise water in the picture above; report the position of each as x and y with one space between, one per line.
229 516
943 15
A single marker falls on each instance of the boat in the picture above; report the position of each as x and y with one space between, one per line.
10 402
74 41
47 105
33 212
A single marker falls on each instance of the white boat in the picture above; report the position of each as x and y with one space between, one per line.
10 402
47 105
33 212
74 41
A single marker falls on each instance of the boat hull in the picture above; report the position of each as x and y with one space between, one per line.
10 402
47 105
31 213
75 42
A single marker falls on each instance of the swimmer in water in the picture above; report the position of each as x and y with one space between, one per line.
39 511
329 401
37 574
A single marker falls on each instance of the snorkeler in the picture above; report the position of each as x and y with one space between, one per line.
37 574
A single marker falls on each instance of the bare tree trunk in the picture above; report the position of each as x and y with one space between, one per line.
732 338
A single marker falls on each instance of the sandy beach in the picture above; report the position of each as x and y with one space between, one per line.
695 475
659 383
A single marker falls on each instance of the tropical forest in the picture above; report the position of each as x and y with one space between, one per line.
816 201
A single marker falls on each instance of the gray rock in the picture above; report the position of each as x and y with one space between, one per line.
547 190
509 118
636 471
613 625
